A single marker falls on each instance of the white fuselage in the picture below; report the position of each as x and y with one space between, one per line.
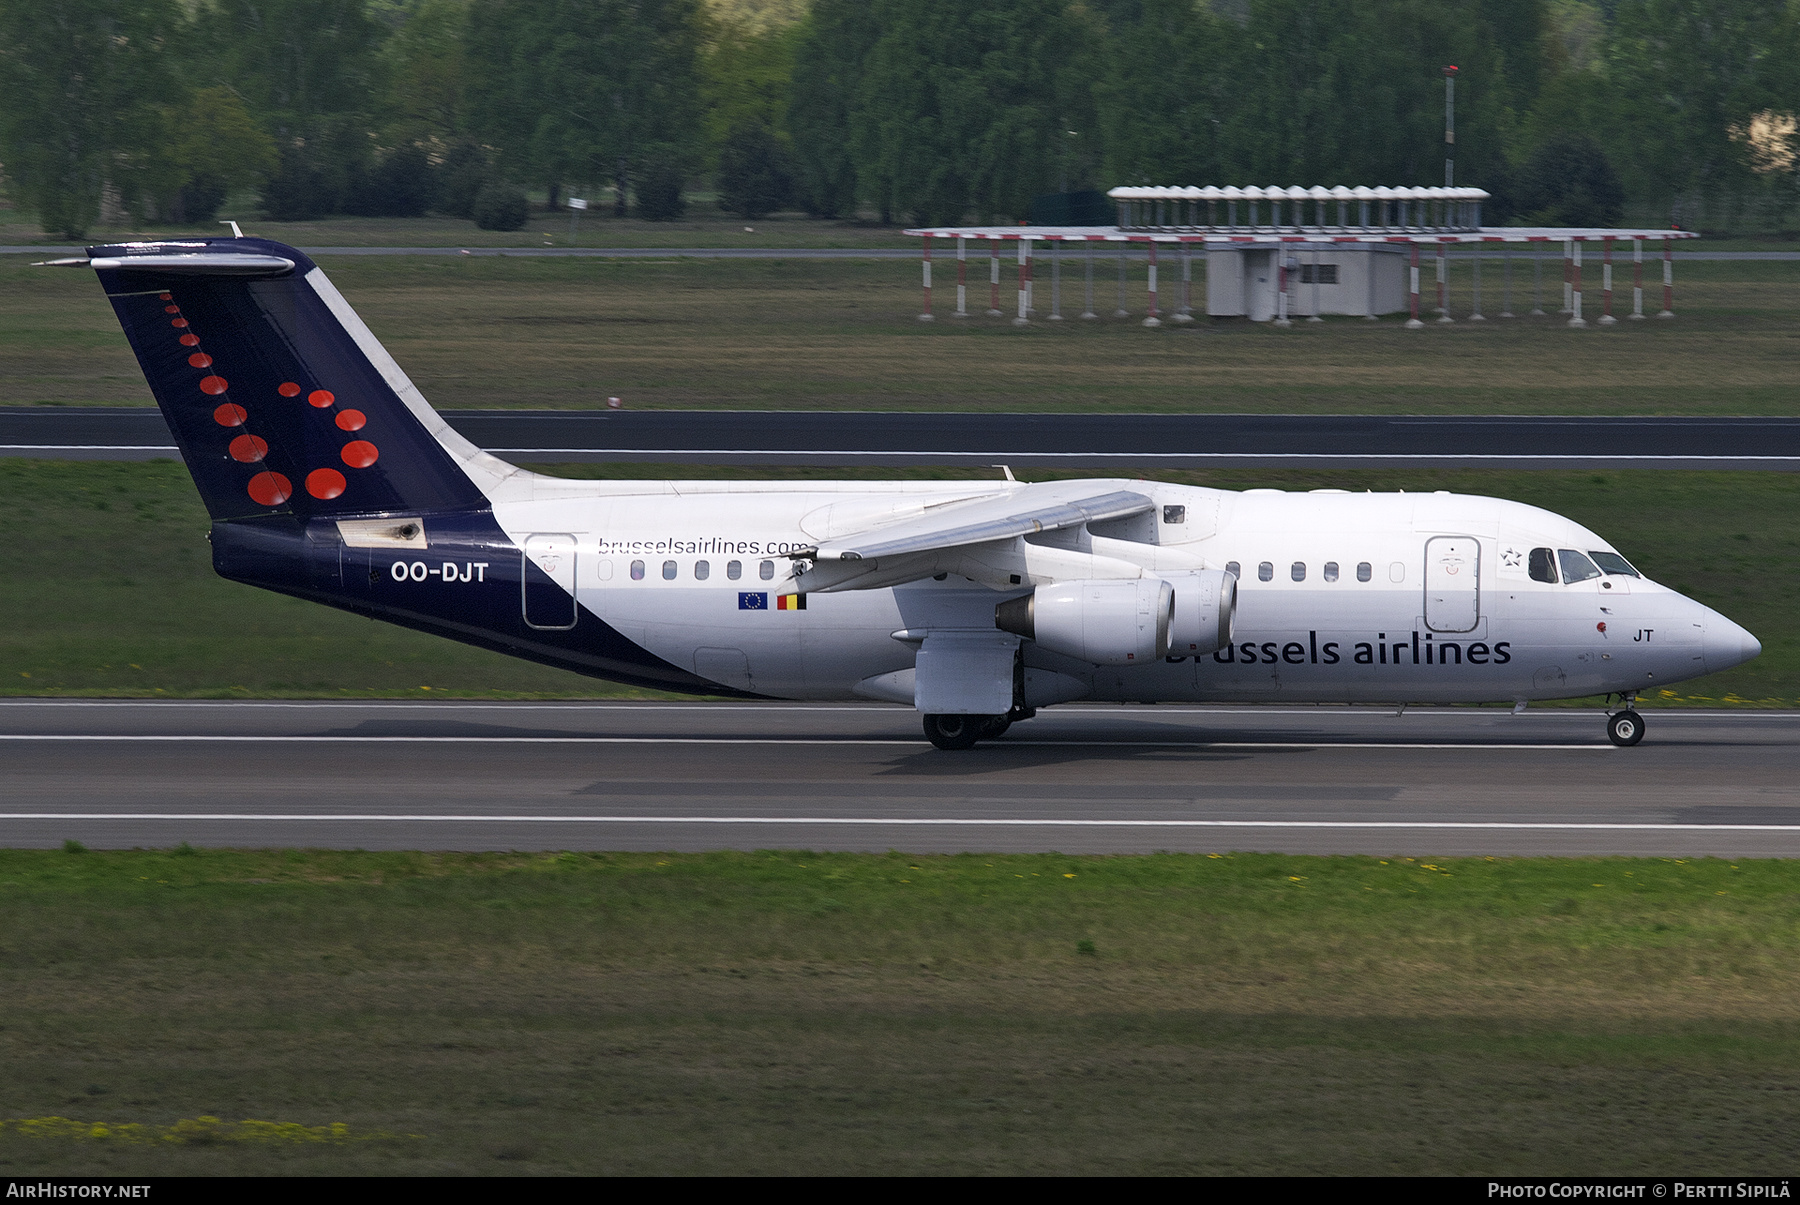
1342 597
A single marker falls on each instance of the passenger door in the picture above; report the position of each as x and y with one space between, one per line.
547 581
1452 583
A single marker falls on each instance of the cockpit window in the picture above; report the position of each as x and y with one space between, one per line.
1543 566
1575 566
1613 564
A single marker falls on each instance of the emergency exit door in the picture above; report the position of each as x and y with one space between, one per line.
1452 583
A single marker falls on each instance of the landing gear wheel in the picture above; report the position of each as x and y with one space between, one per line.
1625 728
955 731
995 727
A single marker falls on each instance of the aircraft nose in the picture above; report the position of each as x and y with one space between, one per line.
1726 644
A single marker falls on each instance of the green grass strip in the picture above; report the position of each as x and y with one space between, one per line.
808 1012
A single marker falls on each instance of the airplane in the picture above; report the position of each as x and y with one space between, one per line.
327 476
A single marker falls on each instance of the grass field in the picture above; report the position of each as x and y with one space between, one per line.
112 591
767 1013
843 335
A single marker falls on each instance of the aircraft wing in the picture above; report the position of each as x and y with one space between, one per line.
924 546
1044 507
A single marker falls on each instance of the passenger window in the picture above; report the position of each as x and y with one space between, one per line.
702 570
1614 564
637 571
603 570
1364 571
734 569
1265 572
1233 568
1397 571
1575 567
1298 572
1542 566
1331 571
766 571
1174 514
668 571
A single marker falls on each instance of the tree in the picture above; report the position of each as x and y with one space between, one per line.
584 90
302 66
948 108
80 84
755 172
424 73
1683 76
830 47
209 145
1568 182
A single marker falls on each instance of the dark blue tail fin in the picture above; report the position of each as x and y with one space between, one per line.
278 396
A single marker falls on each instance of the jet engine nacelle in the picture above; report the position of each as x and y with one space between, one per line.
1119 622
1205 611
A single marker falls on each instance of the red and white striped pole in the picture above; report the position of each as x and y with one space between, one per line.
926 316
1153 320
1443 267
962 277
1637 279
1668 310
994 278
1606 314
1281 281
1024 283
1568 306
1575 318
1413 323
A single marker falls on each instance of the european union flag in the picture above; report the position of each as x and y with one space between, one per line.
753 600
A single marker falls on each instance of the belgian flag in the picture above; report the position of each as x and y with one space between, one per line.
790 602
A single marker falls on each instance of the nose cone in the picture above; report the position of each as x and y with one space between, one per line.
1726 644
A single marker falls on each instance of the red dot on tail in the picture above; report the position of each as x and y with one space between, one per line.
166 296
360 454
288 389
324 483
321 398
249 449
178 322
190 340
212 385
351 420
200 360
270 489
171 309
230 415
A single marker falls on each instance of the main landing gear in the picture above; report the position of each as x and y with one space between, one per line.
1625 727
962 731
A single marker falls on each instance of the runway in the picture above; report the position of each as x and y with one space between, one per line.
1118 443
694 776
905 253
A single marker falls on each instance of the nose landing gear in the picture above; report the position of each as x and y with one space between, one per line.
1625 727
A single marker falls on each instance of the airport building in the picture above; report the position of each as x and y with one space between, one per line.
1276 254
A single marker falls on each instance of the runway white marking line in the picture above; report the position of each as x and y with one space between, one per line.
745 740
920 822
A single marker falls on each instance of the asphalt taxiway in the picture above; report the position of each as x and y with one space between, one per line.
687 776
